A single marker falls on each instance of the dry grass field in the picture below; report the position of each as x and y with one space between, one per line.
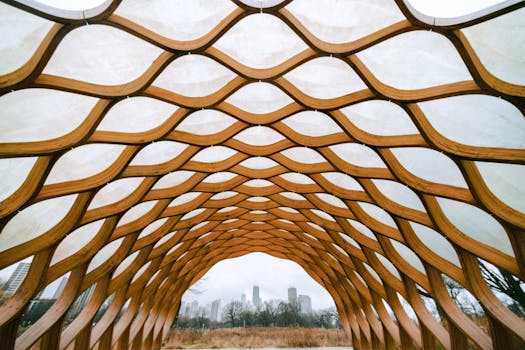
256 338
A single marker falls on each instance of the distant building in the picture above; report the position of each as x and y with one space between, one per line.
60 288
187 309
214 314
292 295
305 304
17 278
194 309
256 300
82 300
243 299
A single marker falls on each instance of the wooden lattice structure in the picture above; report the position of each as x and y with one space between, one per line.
142 142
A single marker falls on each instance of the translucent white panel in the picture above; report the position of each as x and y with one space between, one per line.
259 98
35 220
373 273
332 200
357 154
389 266
177 19
477 120
505 181
214 154
289 210
221 176
14 172
408 255
260 41
83 162
115 191
158 153
399 193
340 249
258 199
298 178
76 240
22 33
303 155
415 60
337 21
184 198
140 272
312 123
125 264
350 240
429 165
102 55
362 229
227 209
451 8
477 224
292 195
325 77
379 117
73 5
152 227
136 212
378 213
262 3
258 212
104 254
199 225
343 180
21 121
164 239
223 195
503 58
258 163
317 227
206 122
192 214
436 242
259 183
136 114
194 76
259 136
323 215
173 179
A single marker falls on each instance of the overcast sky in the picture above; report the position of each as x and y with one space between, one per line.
231 278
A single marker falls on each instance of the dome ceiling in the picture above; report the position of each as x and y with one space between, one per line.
379 148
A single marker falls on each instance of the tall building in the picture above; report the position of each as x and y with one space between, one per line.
256 300
194 309
83 299
214 314
292 295
60 288
17 278
305 304
243 299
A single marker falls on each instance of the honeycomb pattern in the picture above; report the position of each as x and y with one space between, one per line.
143 142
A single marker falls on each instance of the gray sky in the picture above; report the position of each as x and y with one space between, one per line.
230 278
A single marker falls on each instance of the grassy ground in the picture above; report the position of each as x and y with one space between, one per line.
256 338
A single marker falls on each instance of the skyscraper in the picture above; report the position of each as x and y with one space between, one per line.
60 288
17 278
305 304
82 300
256 300
292 295
214 314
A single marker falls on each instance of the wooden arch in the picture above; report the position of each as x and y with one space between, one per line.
353 204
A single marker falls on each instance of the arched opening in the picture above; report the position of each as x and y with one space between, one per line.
376 146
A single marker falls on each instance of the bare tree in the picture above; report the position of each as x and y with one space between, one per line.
504 282
232 312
